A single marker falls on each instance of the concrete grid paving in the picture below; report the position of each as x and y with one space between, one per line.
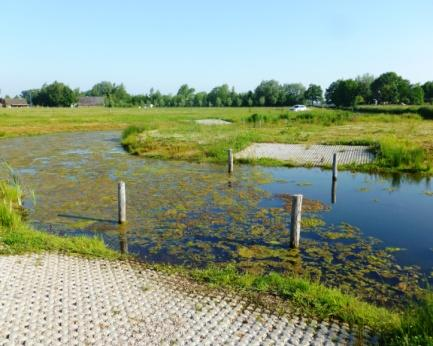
316 154
52 299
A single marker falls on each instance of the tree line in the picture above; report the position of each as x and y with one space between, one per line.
388 88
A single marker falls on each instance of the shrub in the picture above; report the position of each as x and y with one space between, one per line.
257 118
426 112
131 130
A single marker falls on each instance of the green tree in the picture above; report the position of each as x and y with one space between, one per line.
364 87
416 96
428 92
185 95
219 95
101 89
30 95
55 95
115 95
314 94
200 99
389 87
292 94
343 93
271 91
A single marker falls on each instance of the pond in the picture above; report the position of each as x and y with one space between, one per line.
376 240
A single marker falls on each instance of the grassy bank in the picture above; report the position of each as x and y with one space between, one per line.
401 143
16 237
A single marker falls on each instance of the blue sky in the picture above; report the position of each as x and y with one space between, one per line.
163 44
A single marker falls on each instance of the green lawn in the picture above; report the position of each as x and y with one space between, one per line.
404 141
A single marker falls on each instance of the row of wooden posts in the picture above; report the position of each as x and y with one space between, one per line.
296 214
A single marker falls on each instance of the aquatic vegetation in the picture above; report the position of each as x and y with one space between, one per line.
196 214
428 193
312 222
261 252
363 189
308 205
394 249
304 183
344 231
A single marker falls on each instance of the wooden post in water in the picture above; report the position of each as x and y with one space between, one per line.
230 160
295 226
121 201
334 167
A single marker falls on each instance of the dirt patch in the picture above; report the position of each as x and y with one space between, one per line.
212 122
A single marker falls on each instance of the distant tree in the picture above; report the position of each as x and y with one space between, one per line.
364 87
292 94
428 92
344 93
271 91
185 95
390 88
29 95
238 101
416 96
55 95
330 93
200 99
314 94
218 96
101 89
115 95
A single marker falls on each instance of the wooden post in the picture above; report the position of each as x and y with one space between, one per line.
121 201
295 226
334 167
230 160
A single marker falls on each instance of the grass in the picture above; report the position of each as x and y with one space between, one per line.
17 237
416 327
402 137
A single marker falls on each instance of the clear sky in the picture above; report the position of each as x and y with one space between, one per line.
163 43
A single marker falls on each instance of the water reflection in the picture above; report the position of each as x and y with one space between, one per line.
334 192
123 240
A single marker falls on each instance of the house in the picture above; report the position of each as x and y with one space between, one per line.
15 102
91 101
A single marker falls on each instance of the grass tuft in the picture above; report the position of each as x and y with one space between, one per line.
402 155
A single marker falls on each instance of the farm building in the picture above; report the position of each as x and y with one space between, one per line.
15 102
91 101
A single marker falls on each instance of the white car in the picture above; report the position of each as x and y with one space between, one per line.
298 108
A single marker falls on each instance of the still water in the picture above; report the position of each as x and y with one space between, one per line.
377 238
